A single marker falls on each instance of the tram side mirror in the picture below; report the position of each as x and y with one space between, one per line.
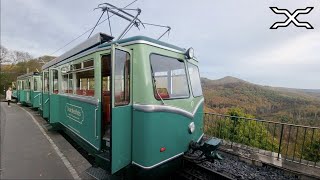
190 53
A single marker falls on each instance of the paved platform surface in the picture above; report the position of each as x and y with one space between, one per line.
27 152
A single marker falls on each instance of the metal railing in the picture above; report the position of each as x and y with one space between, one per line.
283 141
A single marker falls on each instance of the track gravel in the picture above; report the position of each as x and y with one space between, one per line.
232 166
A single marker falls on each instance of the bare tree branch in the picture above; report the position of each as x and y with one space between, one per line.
20 56
4 52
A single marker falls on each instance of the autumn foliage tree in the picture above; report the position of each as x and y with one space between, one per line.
237 127
15 63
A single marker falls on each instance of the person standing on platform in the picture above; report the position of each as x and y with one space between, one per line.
8 96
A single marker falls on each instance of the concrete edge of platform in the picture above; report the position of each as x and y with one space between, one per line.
289 167
73 160
2 131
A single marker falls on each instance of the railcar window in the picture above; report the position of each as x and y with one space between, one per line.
13 86
88 63
65 83
35 84
106 73
70 83
106 84
77 66
122 78
46 82
195 80
55 82
85 83
169 76
27 85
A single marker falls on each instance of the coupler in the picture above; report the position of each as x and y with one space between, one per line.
208 149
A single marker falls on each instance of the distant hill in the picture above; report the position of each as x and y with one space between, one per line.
300 106
307 92
225 80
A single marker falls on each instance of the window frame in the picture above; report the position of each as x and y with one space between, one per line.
35 84
190 79
153 84
72 66
88 60
52 89
23 84
44 84
63 89
112 78
28 84
66 70
72 71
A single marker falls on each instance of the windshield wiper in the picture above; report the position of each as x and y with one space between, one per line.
155 86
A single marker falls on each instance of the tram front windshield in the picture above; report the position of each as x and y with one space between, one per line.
169 76
195 80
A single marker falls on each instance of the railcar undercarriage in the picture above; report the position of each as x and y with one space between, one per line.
208 149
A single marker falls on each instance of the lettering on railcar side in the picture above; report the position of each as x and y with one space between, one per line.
74 113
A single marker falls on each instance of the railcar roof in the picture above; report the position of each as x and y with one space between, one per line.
137 39
27 75
142 38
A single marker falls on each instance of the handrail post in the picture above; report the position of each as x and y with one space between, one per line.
234 131
291 143
281 134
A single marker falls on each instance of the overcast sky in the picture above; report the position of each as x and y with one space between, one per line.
230 37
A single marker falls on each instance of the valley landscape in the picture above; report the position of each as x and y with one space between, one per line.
296 106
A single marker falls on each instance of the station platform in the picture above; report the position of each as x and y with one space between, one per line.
29 151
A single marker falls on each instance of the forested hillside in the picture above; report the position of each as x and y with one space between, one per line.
14 63
296 106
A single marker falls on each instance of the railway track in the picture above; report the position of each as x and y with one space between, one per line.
192 171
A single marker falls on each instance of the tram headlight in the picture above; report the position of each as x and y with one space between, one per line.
190 53
192 127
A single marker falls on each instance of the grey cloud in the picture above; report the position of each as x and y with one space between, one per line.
230 37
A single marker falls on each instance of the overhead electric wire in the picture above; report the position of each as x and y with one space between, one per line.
96 24
88 30
109 23
127 30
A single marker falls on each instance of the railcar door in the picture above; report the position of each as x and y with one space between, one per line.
121 107
45 94
28 92
53 96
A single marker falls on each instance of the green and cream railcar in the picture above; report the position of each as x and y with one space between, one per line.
132 102
14 90
29 89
